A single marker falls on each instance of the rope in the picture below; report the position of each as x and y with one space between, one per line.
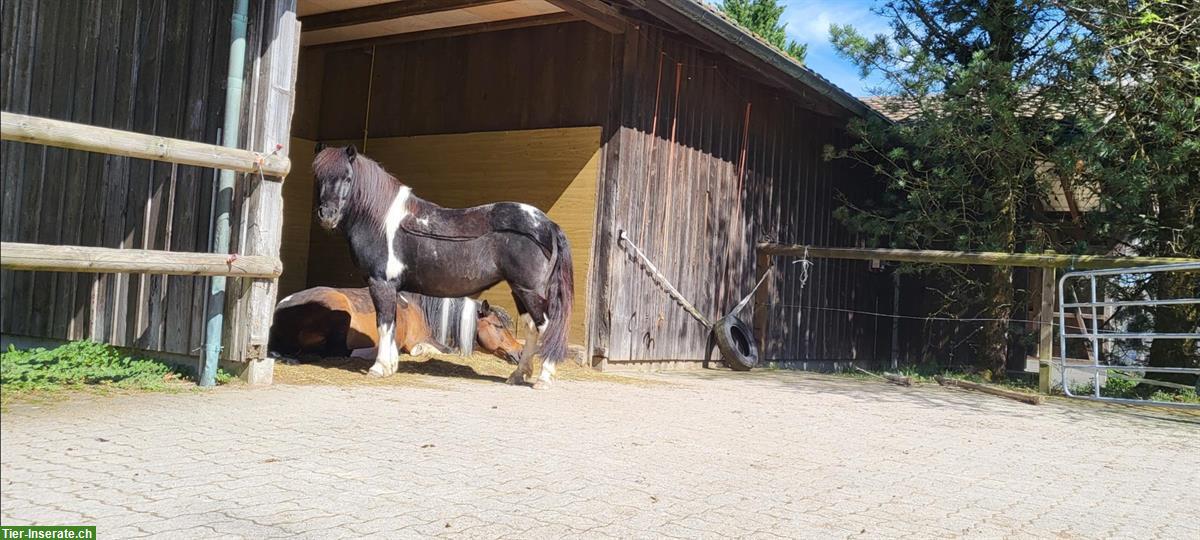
367 111
663 282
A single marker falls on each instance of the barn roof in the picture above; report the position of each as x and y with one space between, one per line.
354 21
706 23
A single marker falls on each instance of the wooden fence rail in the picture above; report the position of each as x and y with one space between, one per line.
21 256
987 258
37 130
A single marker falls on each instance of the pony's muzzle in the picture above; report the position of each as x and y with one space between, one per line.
328 218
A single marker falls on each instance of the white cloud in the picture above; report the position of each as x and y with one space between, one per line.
808 21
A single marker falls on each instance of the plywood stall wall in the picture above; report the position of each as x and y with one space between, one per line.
552 169
297 218
682 193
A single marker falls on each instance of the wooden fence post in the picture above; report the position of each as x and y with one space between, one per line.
1045 320
273 98
762 298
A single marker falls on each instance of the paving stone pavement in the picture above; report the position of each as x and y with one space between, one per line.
706 455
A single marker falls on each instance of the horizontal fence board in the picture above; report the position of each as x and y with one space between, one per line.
62 134
22 256
986 258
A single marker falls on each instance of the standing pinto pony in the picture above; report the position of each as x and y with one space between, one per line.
404 243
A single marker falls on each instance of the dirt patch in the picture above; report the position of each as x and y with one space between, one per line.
425 370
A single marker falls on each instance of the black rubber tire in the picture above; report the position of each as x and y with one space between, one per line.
735 339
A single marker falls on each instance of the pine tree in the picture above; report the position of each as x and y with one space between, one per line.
1009 99
966 171
762 18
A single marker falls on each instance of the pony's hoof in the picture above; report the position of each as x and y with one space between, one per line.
516 378
423 349
377 370
541 385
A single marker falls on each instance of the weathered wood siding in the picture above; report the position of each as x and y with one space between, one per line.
696 186
150 66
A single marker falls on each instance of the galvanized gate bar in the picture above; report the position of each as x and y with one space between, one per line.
1127 303
1095 336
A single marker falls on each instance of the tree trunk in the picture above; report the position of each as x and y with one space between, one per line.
995 331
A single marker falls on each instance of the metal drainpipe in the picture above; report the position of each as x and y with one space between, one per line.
231 129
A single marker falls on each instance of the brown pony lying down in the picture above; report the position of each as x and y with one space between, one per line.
494 333
331 322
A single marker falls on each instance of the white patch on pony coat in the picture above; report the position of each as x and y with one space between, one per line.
547 371
466 327
529 348
395 215
387 353
534 213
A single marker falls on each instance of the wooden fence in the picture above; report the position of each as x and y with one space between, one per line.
22 256
1047 262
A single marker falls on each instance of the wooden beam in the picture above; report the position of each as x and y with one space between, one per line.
985 258
22 256
599 291
1032 399
1045 318
1045 315
272 98
762 300
596 12
384 12
37 130
453 31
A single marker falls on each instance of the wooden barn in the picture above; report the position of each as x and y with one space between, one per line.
657 118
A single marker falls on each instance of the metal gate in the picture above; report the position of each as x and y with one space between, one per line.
1097 335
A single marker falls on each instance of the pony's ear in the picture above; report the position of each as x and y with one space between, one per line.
351 151
320 146
485 307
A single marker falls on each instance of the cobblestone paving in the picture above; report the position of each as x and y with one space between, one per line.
708 455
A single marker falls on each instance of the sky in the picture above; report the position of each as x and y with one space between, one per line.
808 22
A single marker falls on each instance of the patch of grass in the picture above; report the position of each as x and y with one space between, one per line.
86 365
1117 387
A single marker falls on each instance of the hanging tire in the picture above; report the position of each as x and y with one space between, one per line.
735 340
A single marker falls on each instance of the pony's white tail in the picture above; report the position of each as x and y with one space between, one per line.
466 327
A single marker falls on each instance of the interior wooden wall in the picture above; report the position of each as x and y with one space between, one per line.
527 78
297 218
554 170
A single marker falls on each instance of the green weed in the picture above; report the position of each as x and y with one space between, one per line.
87 365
